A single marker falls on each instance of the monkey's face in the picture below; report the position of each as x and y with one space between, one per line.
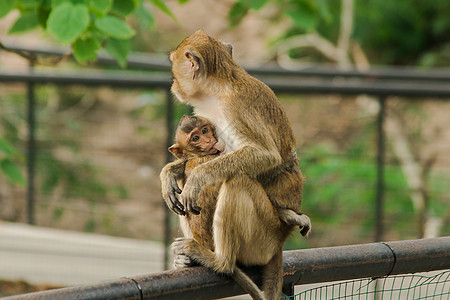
195 136
185 70
181 85
200 141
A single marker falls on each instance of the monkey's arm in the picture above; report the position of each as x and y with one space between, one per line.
169 185
250 160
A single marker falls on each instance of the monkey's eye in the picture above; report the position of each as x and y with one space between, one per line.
205 130
195 138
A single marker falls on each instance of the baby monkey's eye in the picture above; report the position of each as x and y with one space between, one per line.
195 138
205 130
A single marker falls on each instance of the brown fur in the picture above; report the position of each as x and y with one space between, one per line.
201 225
259 146
193 152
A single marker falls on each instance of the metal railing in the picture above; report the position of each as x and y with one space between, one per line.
379 82
373 260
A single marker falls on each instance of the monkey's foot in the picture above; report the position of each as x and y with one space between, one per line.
181 245
305 230
181 258
305 225
183 261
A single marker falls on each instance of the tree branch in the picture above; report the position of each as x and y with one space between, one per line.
24 54
345 32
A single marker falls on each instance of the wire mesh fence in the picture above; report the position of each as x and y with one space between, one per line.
406 287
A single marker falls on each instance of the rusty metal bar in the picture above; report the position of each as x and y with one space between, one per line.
169 140
300 267
31 148
128 79
379 188
150 61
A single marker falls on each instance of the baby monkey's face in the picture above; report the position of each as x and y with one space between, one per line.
195 136
201 140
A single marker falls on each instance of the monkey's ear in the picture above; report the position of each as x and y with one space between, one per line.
183 117
194 63
230 47
176 150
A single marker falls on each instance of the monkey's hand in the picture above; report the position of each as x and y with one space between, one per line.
170 188
190 193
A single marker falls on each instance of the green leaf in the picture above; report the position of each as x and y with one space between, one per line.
58 213
145 17
67 21
46 3
56 3
43 12
12 172
257 4
182 1
124 7
324 10
114 27
85 49
163 7
101 7
6 148
6 6
26 21
118 49
237 12
303 15
27 4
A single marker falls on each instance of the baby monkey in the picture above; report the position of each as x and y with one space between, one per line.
196 143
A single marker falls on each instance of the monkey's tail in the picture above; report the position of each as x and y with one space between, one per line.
247 284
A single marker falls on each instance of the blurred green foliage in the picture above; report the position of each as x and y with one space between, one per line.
405 32
340 190
339 187
87 26
74 175
8 156
398 32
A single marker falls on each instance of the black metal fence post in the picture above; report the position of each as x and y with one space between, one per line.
167 212
379 196
31 148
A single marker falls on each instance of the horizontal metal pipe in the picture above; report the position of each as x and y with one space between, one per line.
300 267
128 79
124 79
161 62
366 260
357 87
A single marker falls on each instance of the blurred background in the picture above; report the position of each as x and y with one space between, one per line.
99 148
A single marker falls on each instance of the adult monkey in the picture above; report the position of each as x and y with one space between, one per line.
260 157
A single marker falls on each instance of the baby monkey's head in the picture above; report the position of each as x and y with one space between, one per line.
195 136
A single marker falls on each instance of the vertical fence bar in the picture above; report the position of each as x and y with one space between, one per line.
31 149
167 212
288 290
379 197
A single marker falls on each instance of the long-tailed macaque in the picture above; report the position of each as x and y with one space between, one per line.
196 143
259 160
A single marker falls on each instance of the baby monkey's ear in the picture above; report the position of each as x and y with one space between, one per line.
176 150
